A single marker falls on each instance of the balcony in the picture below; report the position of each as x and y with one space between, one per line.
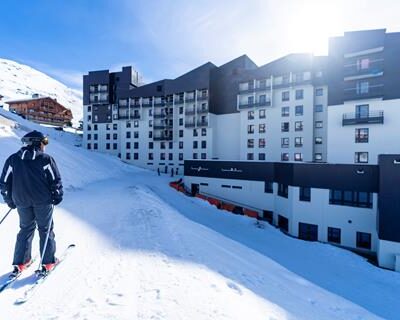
178 101
190 124
159 115
190 112
147 103
247 90
262 88
202 98
202 123
202 110
159 104
254 105
162 138
356 118
135 105
126 117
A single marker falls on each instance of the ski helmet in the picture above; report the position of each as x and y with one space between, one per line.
35 138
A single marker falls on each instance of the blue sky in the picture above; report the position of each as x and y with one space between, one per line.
163 39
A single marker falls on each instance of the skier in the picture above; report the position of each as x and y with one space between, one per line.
31 182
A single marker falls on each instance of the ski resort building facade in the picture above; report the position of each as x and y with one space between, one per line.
316 136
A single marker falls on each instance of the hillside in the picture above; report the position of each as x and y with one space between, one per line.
19 81
145 251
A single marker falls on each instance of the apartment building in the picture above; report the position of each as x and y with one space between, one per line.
363 98
309 142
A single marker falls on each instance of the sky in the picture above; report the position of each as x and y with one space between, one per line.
164 39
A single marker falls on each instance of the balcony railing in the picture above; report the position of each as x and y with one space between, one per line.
159 115
135 105
179 101
202 123
202 98
190 112
190 124
132 116
360 118
202 110
189 99
147 104
266 103
159 104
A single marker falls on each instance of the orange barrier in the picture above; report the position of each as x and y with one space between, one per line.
250 213
214 202
227 206
201 196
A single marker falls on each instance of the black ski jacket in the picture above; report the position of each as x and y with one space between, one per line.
30 178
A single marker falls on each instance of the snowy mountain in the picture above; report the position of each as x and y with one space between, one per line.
145 251
18 81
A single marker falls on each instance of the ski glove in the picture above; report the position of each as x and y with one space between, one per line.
11 205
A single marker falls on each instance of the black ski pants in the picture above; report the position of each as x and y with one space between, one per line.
28 219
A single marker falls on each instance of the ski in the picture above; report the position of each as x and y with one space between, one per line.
42 277
9 282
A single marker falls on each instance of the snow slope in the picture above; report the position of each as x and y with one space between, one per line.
145 251
19 81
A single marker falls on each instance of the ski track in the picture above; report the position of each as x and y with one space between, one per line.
138 256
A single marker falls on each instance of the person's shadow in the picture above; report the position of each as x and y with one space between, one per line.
22 281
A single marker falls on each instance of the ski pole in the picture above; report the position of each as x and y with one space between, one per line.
4 218
47 238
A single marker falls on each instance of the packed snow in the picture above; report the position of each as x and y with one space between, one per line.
19 81
145 251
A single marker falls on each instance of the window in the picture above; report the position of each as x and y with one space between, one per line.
334 235
318 140
128 124
318 124
108 146
95 136
262 99
128 135
89 108
285 142
298 141
298 157
115 136
284 156
268 187
162 156
162 145
115 146
150 123
261 128
180 144
362 111
250 115
204 144
285 96
180 133
195 144
150 134
261 143
95 127
194 155
204 156
151 145
195 133
299 94
298 126
361 157
318 108
362 87
180 110
308 231
150 156
181 156
250 101
363 63
364 240
298 110
285 111
115 126
128 145
136 156
261 114
181 121
89 146
250 143
136 134
261 156
250 128
283 223
170 145
319 92
89 136
136 124
318 156
89 117
203 132
283 190
304 194
136 145
350 198
95 146
285 126
362 135
128 156
250 156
